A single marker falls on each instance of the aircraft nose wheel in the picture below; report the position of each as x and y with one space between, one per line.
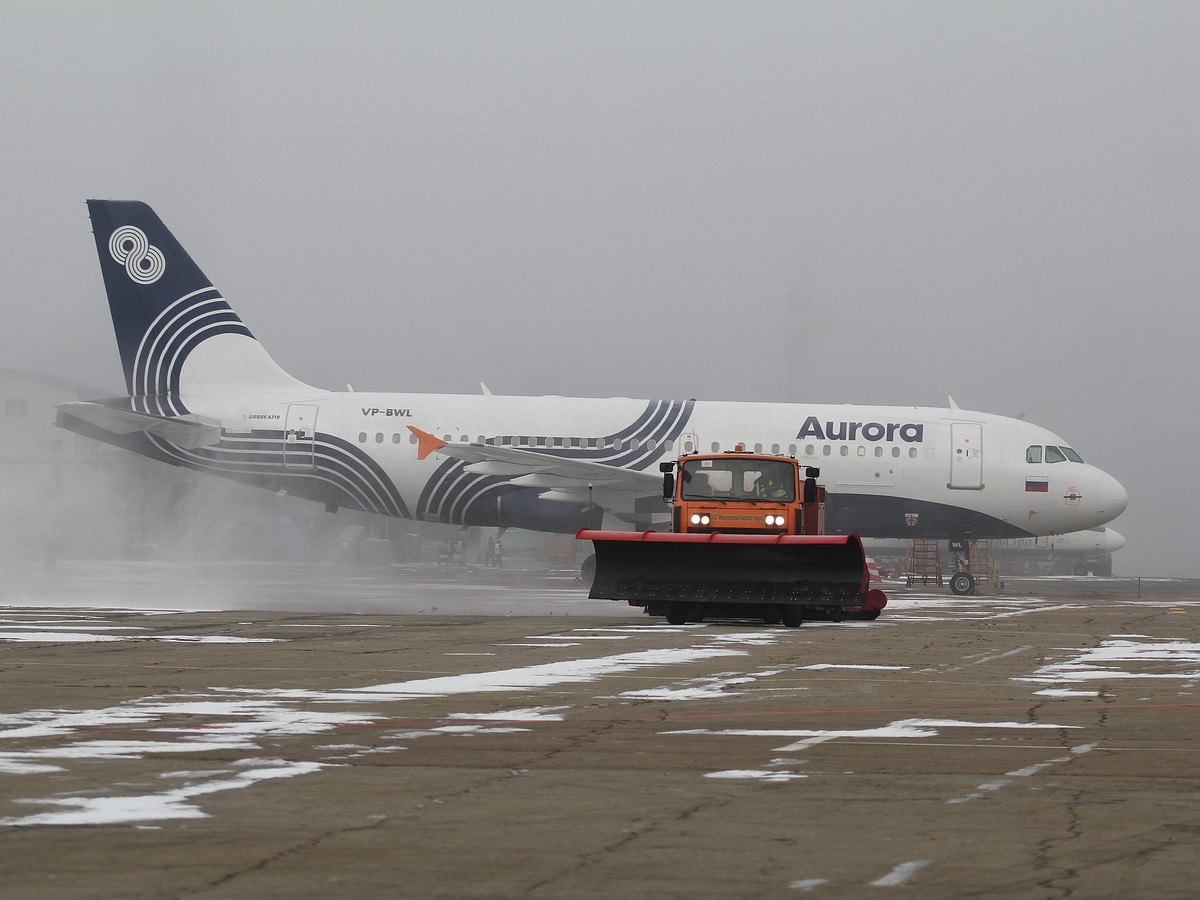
962 583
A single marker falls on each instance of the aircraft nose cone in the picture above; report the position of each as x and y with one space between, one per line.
1111 497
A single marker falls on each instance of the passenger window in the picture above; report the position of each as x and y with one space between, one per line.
362 437
1054 455
634 444
395 438
687 447
826 450
775 449
412 439
810 450
716 447
879 451
845 450
896 452
758 448
379 437
1033 454
912 452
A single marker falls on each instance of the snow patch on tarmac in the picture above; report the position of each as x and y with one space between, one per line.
172 804
526 678
239 720
75 629
1121 658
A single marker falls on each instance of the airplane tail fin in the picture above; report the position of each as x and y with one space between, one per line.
177 336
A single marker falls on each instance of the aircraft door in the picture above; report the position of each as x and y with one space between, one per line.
299 436
966 456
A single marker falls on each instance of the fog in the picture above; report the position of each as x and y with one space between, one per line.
841 203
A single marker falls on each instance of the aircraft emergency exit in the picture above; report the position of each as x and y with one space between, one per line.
203 393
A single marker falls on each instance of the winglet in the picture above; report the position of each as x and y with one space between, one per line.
426 442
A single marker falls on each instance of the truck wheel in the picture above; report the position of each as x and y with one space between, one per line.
676 613
962 583
793 616
587 571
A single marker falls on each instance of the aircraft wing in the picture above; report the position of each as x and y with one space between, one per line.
188 431
561 478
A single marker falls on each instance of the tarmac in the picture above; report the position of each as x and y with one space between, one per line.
172 730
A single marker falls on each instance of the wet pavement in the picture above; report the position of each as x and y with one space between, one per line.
172 730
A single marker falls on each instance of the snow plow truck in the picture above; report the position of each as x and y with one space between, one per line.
747 541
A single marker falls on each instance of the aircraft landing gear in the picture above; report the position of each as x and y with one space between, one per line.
962 583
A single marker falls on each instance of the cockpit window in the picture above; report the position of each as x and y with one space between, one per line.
1033 454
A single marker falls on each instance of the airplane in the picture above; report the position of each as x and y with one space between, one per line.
203 393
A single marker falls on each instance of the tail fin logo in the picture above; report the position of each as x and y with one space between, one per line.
144 263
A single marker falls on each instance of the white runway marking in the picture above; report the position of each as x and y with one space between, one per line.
756 775
982 790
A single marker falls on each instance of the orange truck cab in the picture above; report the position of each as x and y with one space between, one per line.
743 493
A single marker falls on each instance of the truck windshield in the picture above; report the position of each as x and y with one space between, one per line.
738 479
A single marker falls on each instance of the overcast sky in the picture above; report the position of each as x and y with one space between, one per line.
882 203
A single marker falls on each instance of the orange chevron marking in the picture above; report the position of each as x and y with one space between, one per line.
426 443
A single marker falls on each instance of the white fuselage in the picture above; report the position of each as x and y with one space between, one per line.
889 471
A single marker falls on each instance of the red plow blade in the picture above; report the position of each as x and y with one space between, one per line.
729 569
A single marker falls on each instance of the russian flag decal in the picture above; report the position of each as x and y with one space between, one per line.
1037 485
